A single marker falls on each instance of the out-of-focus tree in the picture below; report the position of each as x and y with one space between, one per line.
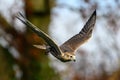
19 59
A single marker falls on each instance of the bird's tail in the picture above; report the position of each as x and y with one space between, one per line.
44 47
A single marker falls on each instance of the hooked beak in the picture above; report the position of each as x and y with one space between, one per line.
74 58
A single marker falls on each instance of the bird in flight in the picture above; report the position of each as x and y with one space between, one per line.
66 51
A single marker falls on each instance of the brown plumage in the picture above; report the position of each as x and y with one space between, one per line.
65 52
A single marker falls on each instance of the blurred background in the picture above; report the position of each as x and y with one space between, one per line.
98 59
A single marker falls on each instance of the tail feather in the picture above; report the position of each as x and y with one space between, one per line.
40 46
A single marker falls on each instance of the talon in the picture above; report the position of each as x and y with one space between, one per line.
47 50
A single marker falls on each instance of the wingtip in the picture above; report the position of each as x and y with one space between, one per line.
95 12
21 14
21 17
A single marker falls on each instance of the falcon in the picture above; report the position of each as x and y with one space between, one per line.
66 51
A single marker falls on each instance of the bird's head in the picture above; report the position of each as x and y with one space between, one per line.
68 57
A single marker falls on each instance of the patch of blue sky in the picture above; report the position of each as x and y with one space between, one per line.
102 5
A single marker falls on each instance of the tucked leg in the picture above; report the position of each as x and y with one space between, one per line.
47 50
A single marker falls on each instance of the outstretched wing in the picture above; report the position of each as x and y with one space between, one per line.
73 43
41 34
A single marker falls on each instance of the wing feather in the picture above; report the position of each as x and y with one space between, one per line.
73 43
41 34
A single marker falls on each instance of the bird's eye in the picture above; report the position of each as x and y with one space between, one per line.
70 56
